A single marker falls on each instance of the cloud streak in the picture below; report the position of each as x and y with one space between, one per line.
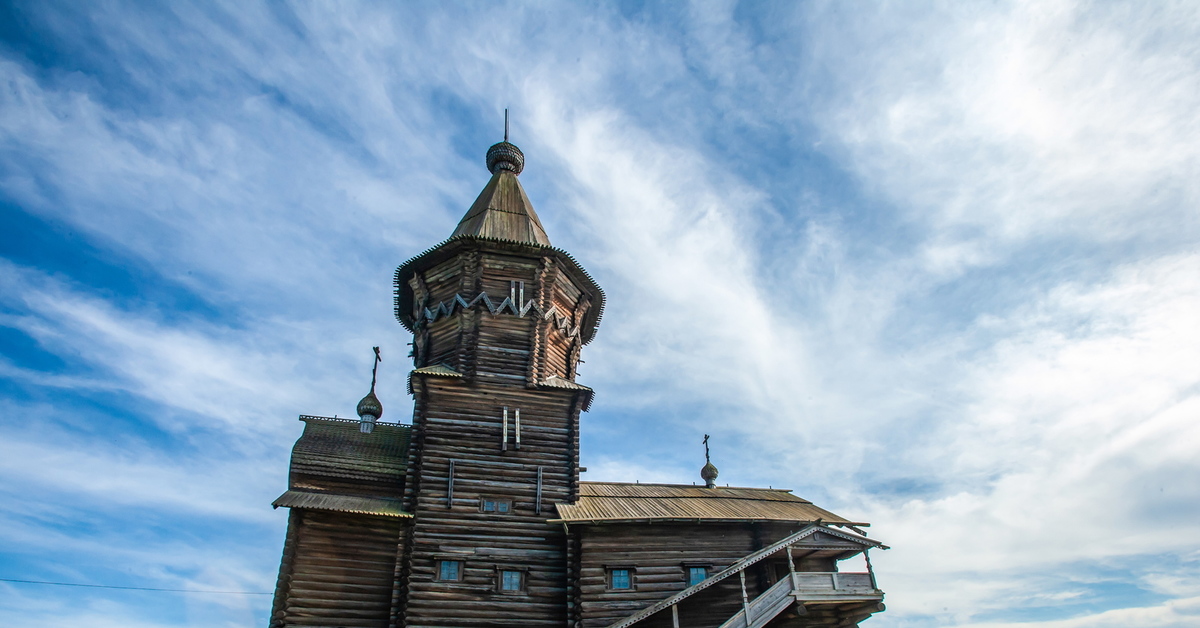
933 265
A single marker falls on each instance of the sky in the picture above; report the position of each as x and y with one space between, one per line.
930 265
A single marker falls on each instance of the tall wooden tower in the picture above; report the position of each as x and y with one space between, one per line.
495 440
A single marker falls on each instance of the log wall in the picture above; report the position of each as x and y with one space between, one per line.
658 554
339 569
462 422
508 348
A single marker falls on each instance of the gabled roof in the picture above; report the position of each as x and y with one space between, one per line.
615 502
503 211
337 448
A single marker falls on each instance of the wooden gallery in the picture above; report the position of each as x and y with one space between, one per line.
474 515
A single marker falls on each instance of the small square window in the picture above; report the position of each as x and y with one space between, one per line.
696 575
449 570
512 580
619 579
489 504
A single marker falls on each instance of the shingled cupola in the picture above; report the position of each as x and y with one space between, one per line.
498 268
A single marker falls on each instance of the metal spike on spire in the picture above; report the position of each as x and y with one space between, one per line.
506 124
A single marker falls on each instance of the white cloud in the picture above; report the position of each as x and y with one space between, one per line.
1015 121
980 139
1178 613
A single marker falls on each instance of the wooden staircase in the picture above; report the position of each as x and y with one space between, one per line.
762 609
855 592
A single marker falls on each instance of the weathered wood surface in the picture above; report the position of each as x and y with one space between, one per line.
517 345
506 316
340 570
659 555
462 422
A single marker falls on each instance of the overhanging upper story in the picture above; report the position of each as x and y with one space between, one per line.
336 467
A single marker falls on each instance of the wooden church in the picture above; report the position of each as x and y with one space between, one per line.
474 515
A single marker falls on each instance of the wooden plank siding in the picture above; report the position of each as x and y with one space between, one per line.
462 421
512 348
340 570
659 553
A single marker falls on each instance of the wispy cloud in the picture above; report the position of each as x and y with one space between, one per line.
934 265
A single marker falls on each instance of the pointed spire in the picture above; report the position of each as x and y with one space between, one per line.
370 409
503 210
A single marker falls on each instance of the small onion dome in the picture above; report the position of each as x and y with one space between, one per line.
505 156
709 473
369 410
370 406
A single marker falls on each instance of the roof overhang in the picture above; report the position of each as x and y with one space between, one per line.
342 503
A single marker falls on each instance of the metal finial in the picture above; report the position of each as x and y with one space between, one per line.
375 368
370 409
709 472
504 155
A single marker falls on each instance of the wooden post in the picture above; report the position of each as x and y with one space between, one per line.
517 425
675 616
870 570
504 432
792 569
450 487
745 600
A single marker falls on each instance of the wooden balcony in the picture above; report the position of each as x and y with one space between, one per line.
835 586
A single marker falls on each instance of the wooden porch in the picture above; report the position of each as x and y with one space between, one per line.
810 598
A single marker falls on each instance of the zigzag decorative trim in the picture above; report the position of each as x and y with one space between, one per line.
508 305
398 277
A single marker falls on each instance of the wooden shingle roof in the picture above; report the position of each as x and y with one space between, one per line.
503 211
614 502
355 504
336 448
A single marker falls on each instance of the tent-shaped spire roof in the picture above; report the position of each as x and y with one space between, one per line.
503 210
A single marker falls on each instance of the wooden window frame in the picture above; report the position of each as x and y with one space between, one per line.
497 501
687 572
608 577
437 569
524 574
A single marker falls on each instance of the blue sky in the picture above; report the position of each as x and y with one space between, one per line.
932 265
